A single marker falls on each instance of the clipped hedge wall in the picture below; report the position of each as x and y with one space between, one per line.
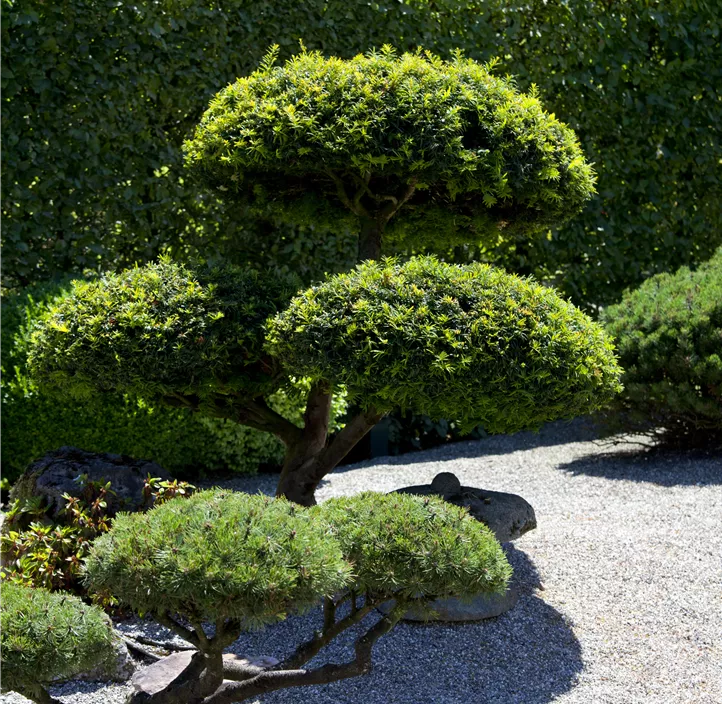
669 337
34 422
95 177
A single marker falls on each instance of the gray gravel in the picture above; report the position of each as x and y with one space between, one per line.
621 584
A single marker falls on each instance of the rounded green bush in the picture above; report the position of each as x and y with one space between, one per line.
669 336
415 547
219 555
306 138
46 636
162 330
468 343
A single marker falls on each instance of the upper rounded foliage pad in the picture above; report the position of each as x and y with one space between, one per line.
355 134
49 635
669 334
217 555
468 343
414 547
161 329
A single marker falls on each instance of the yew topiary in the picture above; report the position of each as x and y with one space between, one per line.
47 636
402 147
412 146
238 561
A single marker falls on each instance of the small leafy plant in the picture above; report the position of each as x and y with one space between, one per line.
41 552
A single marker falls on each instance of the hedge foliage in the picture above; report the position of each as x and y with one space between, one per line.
415 548
669 336
485 160
48 635
470 343
92 168
219 555
162 330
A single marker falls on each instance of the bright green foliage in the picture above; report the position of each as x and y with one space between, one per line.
412 547
669 335
46 636
468 343
162 331
92 165
485 160
218 555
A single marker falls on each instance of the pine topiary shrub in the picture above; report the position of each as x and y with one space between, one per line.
241 561
669 336
46 636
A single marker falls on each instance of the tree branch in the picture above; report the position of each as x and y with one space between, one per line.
271 680
255 413
185 633
355 205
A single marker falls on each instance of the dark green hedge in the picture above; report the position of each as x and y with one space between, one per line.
99 95
669 336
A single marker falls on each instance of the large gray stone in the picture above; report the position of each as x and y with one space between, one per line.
455 610
508 515
56 473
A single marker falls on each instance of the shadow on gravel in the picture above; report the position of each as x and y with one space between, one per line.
526 656
557 433
655 466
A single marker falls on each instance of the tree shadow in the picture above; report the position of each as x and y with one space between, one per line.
556 433
528 655
657 465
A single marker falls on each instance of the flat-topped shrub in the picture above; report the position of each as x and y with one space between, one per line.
465 153
46 636
669 336
241 561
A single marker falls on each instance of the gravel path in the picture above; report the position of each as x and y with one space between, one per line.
621 584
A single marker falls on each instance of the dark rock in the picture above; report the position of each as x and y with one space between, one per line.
156 677
458 610
508 515
55 474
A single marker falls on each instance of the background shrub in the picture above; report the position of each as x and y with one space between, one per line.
46 636
669 336
94 177
471 343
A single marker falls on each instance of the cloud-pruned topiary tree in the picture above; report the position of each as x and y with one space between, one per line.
405 147
238 561
46 636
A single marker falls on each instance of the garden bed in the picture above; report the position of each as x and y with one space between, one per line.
620 584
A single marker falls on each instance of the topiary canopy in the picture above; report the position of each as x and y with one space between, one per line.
46 636
469 343
163 329
219 555
467 155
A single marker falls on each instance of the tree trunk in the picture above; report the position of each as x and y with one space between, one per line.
369 239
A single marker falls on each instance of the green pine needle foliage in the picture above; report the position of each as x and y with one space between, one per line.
219 555
48 635
412 547
468 343
669 336
485 158
162 330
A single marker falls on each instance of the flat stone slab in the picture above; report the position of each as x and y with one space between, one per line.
156 677
508 515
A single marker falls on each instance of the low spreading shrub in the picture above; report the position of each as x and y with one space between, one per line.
669 336
47 636
241 561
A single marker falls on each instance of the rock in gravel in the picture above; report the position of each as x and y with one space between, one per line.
119 669
159 675
56 473
508 515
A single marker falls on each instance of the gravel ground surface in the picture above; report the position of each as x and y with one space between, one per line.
621 585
